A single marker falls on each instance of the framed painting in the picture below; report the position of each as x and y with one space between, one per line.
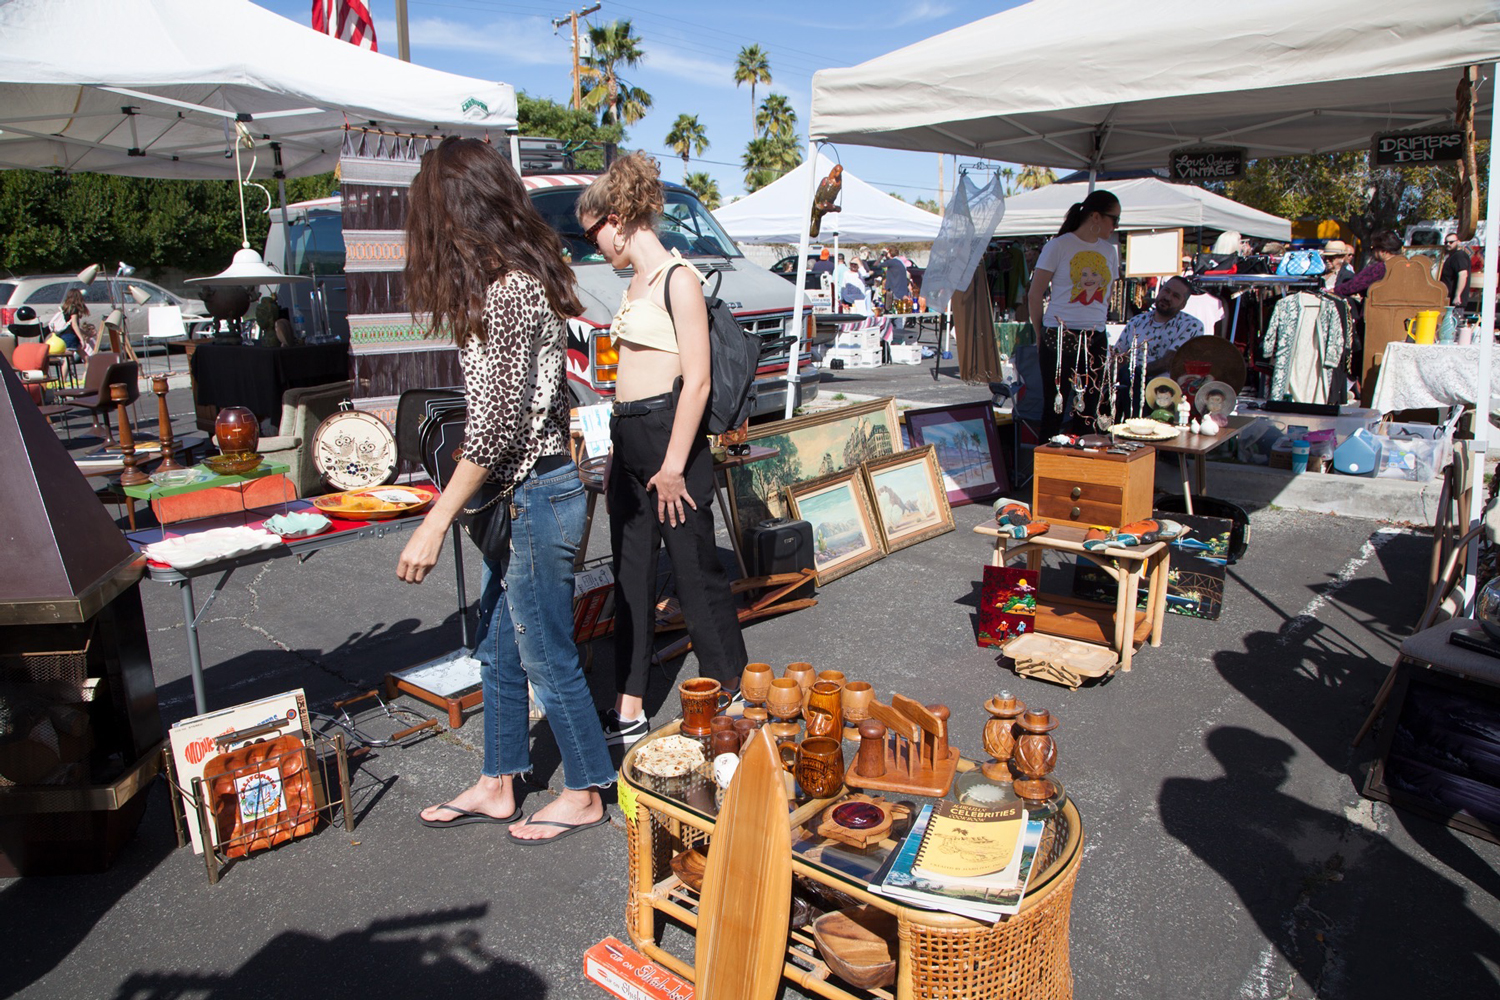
845 534
910 500
968 449
810 446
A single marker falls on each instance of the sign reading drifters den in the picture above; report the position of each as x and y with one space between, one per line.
1417 149
1222 164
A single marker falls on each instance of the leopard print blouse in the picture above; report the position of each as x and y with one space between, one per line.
514 381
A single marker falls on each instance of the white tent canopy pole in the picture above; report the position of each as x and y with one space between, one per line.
799 297
1482 401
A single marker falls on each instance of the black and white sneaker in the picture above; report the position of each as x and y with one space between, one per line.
618 732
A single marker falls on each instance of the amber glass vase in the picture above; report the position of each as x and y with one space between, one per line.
237 430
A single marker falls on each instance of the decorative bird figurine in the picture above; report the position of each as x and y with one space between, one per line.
823 201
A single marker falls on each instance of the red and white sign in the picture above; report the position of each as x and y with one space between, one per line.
628 974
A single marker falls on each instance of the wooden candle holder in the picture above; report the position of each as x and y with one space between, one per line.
163 424
132 476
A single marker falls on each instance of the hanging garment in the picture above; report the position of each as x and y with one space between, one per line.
1309 337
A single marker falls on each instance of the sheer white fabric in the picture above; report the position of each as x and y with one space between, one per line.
968 224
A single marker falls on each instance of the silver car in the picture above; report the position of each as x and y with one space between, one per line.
45 293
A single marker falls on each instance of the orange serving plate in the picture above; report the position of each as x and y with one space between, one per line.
365 504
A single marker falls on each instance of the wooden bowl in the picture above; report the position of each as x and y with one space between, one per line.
859 945
689 866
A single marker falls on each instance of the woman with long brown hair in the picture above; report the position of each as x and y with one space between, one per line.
485 268
661 474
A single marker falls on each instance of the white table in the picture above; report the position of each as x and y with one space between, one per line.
1421 376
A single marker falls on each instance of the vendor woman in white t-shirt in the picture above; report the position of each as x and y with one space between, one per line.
1074 273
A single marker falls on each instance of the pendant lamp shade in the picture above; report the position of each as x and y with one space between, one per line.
247 268
88 274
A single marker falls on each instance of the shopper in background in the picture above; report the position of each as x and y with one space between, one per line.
1338 263
1455 272
853 292
1074 274
661 484
490 273
1162 329
1383 246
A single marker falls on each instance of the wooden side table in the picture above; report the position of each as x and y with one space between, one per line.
939 955
1122 627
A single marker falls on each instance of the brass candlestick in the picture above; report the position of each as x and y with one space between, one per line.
132 476
163 424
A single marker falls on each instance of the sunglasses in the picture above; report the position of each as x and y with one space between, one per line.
1114 219
592 232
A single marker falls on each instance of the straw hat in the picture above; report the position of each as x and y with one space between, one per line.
1337 248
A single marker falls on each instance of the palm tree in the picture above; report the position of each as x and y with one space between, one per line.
752 67
705 187
1008 174
1032 177
687 135
775 117
613 45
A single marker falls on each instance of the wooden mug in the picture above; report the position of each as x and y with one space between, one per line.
755 682
784 700
802 673
856 700
817 763
702 699
824 712
836 676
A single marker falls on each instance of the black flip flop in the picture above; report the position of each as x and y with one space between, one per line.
465 817
568 829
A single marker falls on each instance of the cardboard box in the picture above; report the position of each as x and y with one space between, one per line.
906 354
193 741
855 357
630 975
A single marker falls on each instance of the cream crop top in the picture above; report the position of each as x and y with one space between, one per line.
643 323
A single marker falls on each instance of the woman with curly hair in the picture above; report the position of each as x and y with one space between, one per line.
661 477
486 269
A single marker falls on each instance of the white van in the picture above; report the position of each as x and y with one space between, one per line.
761 301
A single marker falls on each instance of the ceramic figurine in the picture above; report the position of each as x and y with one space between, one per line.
1014 519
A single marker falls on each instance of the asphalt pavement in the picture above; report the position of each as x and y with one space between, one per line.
1228 853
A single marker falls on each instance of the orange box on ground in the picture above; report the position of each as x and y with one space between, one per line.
627 973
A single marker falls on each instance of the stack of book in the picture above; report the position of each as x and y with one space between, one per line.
971 860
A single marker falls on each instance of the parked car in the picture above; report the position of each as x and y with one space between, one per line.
45 293
314 246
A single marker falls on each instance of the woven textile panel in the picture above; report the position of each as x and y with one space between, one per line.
391 352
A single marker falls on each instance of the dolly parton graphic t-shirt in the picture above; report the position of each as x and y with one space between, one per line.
1081 275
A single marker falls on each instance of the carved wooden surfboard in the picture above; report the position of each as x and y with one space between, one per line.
745 907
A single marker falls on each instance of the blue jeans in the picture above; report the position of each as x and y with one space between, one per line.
526 631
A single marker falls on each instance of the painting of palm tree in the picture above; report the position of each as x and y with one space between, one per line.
968 450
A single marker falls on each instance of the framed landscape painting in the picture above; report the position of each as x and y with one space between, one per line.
811 446
845 535
968 449
911 503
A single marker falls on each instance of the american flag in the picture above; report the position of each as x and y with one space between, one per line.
346 19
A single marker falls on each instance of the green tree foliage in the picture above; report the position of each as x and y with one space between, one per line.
1343 187
705 187
752 66
62 222
929 205
775 118
768 158
614 45
1032 177
687 135
577 127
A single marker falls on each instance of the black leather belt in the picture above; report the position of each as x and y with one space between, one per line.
548 464
641 407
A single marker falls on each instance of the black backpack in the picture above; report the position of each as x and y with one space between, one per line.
734 355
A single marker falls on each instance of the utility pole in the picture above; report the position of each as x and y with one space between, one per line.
403 43
572 19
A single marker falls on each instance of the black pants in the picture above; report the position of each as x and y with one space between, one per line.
1096 350
636 536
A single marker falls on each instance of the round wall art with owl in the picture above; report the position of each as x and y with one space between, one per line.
353 449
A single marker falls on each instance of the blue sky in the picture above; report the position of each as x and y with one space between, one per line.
689 68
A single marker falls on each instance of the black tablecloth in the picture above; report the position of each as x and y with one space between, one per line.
255 377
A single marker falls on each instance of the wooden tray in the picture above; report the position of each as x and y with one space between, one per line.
1060 660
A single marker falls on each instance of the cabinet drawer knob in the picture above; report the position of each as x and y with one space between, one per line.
1075 514
1076 492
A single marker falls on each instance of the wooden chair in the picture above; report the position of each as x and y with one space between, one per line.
1407 288
126 373
1452 515
1455 564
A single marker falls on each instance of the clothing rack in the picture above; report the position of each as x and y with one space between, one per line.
1247 282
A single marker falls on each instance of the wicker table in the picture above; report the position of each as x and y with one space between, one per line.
940 954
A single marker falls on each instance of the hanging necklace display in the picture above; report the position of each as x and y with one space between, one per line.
1057 400
1140 367
1080 375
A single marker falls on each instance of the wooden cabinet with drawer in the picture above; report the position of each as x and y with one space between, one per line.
1087 488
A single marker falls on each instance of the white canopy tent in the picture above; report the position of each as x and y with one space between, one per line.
1145 203
1280 77
151 88
778 212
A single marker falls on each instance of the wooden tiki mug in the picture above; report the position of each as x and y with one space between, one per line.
818 764
824 712
702 699
755 682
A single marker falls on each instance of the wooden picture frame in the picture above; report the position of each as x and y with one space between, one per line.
846 536
968 449
1153 253
814 445
910 501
